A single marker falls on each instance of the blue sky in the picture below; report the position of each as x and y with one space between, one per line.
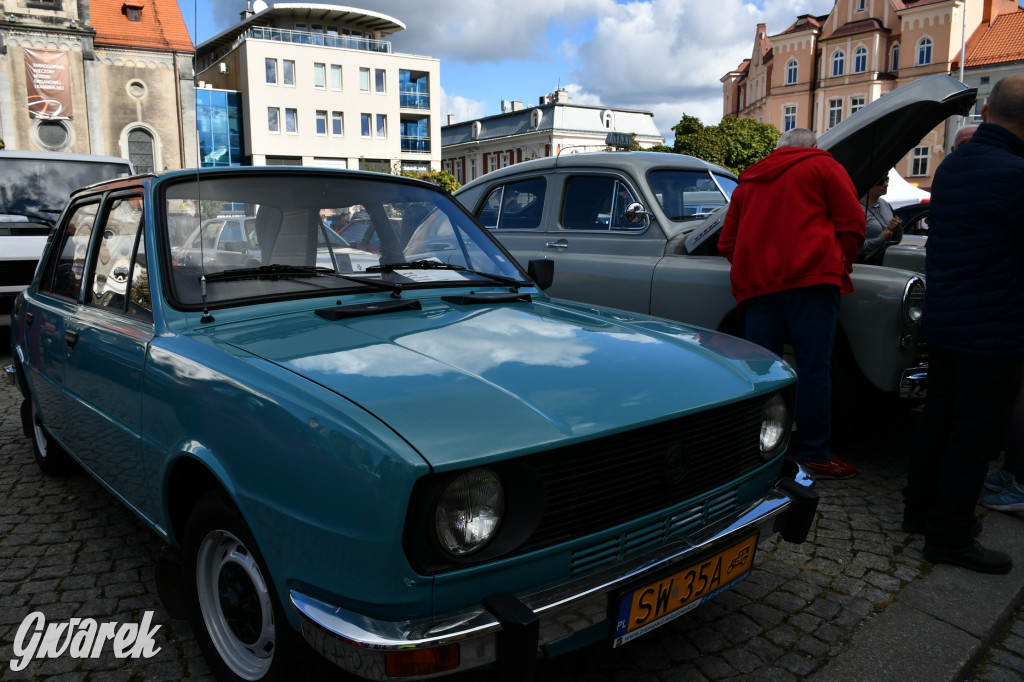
664 56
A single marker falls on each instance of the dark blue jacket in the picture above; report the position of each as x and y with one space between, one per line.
974 301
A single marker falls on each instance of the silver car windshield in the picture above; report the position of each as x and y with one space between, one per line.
687 195
277 234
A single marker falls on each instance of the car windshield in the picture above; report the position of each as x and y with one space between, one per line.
689 195
246 236
35 188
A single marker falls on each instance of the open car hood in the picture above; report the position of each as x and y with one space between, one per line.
871 141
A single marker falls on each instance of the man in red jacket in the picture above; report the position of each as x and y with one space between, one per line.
792 233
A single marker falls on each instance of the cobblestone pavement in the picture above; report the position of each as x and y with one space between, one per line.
68 549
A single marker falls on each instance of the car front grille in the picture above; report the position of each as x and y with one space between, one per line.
592 486
17 272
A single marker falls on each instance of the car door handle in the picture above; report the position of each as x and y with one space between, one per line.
70 339
29 319
560 244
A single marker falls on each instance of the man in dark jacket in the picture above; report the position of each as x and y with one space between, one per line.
792 233
974 326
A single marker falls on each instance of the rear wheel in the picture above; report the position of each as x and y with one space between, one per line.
234 610
51 458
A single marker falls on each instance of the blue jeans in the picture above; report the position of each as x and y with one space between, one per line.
807 318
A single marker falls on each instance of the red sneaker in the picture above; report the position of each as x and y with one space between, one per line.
833 468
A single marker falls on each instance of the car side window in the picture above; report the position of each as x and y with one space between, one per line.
594 202
119 281
515 206
67 267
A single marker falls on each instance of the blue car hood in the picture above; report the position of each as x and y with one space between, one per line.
463 383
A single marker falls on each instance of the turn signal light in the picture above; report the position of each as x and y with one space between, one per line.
421 661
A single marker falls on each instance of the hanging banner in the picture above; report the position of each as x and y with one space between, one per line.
48 83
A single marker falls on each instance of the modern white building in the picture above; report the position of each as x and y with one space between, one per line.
555 126
319 85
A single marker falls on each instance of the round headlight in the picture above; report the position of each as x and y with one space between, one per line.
913 301
774 424
469 512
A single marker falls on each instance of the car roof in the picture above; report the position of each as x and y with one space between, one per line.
638 162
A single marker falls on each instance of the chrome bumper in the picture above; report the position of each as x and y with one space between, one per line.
11 375
914 383
359 644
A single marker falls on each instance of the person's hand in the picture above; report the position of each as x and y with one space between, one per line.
895 225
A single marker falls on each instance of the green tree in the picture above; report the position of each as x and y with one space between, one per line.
734 143
442 179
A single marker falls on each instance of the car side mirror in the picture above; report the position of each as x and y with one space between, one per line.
635 213
542 272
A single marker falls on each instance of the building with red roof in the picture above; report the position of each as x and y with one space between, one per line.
120 80
821 70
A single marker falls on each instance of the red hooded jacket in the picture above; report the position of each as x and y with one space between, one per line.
793 221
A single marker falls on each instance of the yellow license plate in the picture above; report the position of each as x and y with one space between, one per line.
653 605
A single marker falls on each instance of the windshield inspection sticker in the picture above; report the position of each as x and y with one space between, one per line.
82 638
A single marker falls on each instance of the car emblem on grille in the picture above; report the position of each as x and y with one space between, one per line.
676 465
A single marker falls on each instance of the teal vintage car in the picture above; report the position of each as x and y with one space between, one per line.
412 456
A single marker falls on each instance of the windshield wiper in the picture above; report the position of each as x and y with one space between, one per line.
29 214
438 265
276 271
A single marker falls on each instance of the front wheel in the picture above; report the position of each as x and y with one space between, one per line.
234 610
51 458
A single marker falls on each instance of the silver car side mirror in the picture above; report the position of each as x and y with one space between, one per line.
635 213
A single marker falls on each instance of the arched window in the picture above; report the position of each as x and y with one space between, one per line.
140 150
894 61
860 60
792 71
838 63
924 52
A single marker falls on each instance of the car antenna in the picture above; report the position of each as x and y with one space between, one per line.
207 318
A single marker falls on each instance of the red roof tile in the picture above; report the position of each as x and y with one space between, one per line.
161 27
1002 42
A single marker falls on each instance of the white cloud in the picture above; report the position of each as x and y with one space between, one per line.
462 108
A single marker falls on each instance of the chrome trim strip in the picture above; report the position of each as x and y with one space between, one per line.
11 374
914 383
358 643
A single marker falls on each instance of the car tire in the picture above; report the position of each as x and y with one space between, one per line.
52 459
241 628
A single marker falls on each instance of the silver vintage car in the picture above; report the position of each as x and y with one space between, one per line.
639 231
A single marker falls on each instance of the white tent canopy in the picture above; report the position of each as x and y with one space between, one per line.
902 193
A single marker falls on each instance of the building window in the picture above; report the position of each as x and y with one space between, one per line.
861 5
788 118
924 52
320 76
364 79
140 150
289 72
382 126
492 162
379 81
273 119
856 104
835 112
364 124
919 162
337 123
321 122
860 60
291 121
505 159
838 63
894 61
271 71
335 77
792 71
132 10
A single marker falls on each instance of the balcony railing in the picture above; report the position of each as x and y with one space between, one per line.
414 100
415 144
324 39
